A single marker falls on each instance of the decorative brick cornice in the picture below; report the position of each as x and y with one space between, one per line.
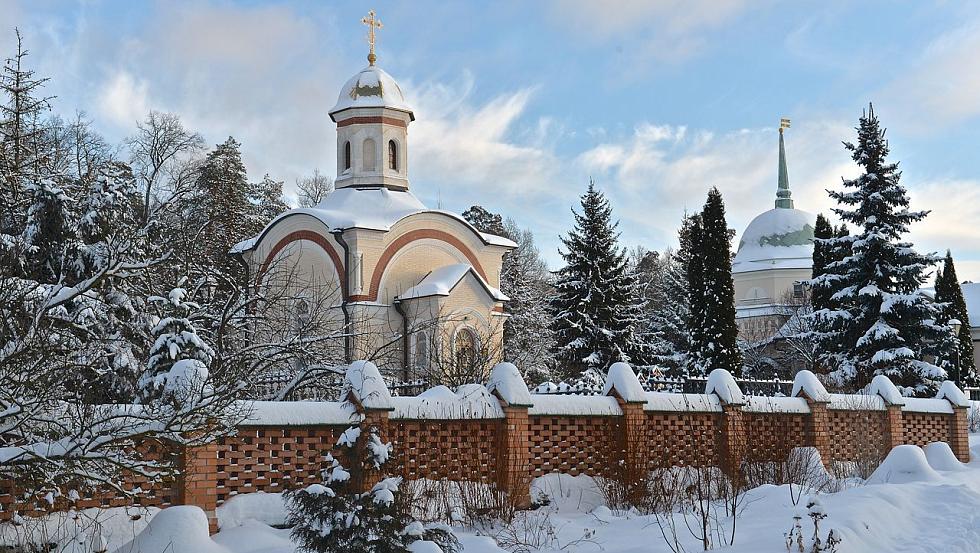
364 120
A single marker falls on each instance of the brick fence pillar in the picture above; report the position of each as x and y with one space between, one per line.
894 427
199 481
818 427
514 466
959 434
732 438
634 447
379 420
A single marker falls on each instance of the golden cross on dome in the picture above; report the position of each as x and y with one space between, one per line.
372 24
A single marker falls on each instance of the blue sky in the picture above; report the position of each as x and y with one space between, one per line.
518 104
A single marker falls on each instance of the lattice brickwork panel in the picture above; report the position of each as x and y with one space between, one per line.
924 428
160 494
273 459
573 444
771 436
454 450
857 435
682 439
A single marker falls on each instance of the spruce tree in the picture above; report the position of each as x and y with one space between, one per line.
718 337
597 304
667 312
224 210
267 203
958 353
880 322
823 231
690 252
333 517
176 342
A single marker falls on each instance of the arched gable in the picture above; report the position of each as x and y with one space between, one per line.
407 239
311 236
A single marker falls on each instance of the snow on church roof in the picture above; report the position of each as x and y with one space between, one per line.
441 282
368 208
776 239
372 87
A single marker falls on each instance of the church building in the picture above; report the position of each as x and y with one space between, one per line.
413 287
773 261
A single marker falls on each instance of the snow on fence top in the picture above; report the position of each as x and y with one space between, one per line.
808 383
574 405
668 401
469 401
882 386
299 413
363 381
722 384
506 381
623 381
952 394
365 385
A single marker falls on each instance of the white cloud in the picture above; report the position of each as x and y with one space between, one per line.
667 30
942 85
124 99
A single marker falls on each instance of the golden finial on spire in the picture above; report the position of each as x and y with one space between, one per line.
372 24
783 124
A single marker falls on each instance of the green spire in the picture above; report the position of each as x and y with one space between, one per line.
784 197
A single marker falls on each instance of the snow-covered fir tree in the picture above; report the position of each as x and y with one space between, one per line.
955 355
716 333
178 352
267 202
223 210
879 321
597 303
335 517
525 279
665 289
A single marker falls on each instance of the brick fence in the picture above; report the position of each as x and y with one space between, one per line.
501 434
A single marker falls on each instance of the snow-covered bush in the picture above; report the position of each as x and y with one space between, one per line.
336 517
795 539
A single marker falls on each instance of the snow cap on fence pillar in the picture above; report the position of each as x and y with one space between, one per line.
722 384
364 384
507 384
623 381
951 393
809 385
882 386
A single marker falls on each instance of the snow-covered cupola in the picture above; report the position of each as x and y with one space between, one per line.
372 128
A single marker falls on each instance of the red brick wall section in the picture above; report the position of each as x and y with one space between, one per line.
925 428
770 437
854 435
572 444
682 439
446 450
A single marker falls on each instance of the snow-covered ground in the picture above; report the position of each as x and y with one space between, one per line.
916 501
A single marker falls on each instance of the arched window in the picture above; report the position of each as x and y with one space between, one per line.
464 345
392 155
369 155
420 354
347 155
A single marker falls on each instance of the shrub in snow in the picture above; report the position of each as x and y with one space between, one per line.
336 517
795 540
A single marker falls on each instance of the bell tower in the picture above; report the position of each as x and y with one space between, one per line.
372 126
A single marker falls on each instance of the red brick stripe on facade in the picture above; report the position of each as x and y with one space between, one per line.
317 239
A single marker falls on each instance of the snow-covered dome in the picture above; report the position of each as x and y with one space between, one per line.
781 238
372 87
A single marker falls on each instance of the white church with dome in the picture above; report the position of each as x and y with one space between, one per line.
774 259
414 289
